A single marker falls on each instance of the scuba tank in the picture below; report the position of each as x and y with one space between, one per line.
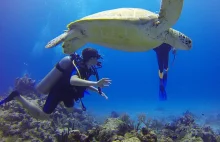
54 75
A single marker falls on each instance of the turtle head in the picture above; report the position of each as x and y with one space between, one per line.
178 40
185 43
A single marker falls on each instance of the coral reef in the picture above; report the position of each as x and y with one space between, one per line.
16 122
78 126
185 129
26 85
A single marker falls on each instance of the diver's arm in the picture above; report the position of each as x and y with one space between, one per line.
97 91
91 88
75 80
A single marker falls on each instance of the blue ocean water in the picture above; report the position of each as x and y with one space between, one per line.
193 82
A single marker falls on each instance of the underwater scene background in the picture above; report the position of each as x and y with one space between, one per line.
133 111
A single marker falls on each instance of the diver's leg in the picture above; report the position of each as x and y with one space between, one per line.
159 61
166 67
32 108
166 58
69 100
162 92
10 97
69 103
52 101
160 65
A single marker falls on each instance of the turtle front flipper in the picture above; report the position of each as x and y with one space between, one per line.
170 11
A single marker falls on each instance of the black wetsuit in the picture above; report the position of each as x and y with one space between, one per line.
162 52
64 91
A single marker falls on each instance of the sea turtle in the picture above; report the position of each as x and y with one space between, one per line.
126 29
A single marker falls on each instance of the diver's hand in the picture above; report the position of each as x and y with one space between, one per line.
104 82
103 94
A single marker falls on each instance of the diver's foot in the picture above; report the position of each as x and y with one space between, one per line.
10 97
165 79
162 93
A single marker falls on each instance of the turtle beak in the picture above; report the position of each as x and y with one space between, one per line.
188 42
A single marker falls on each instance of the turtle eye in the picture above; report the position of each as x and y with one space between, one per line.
188 42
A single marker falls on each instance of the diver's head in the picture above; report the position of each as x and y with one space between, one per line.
90 56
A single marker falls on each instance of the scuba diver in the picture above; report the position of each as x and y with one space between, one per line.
162 52
67 82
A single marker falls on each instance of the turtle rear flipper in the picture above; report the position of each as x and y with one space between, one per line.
170 11
54 42
72 45
67 36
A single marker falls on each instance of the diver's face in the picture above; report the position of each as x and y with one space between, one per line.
93 61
